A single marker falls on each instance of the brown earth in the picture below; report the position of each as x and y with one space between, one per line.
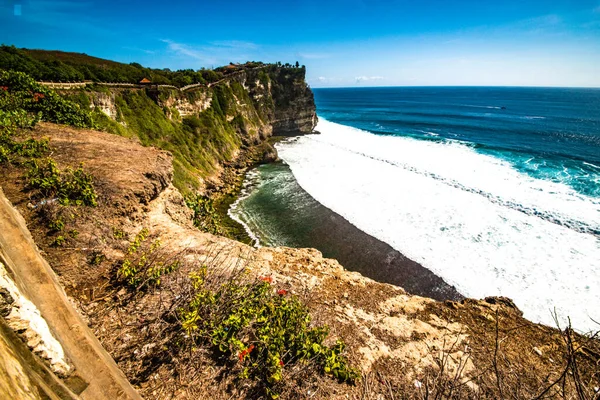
406 346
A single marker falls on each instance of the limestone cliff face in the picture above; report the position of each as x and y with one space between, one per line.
274 101
207 127
295 110
105 102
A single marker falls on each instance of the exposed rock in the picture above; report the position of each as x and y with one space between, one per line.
269 154
505 301
6 302
105 102
24 318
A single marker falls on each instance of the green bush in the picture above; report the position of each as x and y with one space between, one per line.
205 216
68 186
11 148
143 265
21 93
266 331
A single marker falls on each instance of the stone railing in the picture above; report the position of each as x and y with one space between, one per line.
61 85
78 85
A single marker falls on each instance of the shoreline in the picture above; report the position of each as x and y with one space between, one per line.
231 184
309 224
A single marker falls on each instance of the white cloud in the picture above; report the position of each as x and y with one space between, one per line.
184 49
322 79
213 53
360 79
235 44
312 56
137 49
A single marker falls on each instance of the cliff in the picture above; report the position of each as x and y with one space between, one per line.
207 126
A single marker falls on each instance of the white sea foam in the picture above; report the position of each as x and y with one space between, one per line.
470 218
235 208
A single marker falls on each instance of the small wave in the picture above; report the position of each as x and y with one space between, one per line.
428 133
234 211
532 117
591 165
475 106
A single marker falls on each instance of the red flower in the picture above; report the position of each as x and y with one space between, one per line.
282 292
244 353
4 87
281 363
38 96
267 279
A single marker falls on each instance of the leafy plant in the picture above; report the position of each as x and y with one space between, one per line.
267 330
205 216
143 265
12 148
71 185
59 241
118 233
96 258
57 225
21 93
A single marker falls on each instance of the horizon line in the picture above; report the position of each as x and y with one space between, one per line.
456 86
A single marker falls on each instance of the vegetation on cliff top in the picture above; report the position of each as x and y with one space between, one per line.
23 103
60 66
261 332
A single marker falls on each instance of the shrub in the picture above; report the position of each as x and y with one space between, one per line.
205 216
21 93
57 225
59 241
266 331
11 150
143 265
70 185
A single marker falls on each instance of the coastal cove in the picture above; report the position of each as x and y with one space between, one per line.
498 183
276 211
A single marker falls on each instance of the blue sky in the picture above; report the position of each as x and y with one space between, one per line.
342 43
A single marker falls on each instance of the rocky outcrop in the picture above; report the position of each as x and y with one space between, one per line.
280 101
295 110
105 102
48 323
191 103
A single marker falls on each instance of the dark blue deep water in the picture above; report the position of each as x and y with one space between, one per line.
548 133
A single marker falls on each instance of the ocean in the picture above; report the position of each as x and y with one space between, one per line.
494 190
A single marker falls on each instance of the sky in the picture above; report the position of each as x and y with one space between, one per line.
343 43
